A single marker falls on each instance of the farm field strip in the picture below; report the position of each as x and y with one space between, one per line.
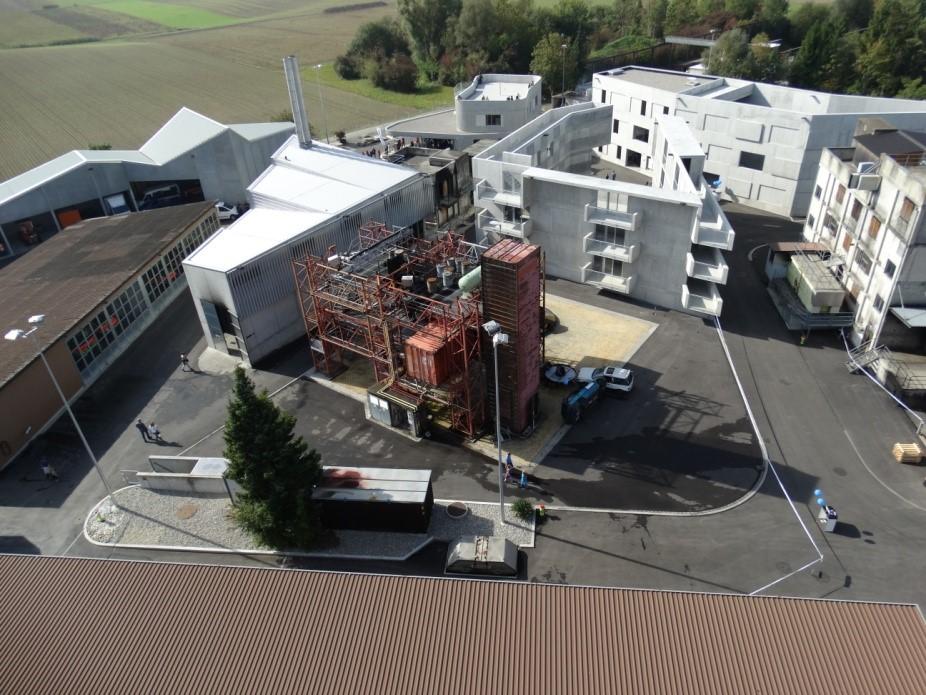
168 15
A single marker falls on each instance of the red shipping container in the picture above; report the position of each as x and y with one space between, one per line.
427 356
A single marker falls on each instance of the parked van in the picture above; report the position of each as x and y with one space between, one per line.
161 197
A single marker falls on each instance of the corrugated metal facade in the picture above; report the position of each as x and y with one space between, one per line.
102 626
264 297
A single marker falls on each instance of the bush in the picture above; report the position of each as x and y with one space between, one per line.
523 509
347 67
398 73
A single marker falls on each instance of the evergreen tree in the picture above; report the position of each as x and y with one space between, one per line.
729 56
275 469
816 52
551 62
679 15
893 48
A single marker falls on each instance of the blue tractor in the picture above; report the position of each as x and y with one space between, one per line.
577 402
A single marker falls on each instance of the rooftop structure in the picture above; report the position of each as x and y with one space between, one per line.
762 142
660 243
202 158
490 107
302 631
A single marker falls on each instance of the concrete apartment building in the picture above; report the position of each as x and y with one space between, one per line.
488 108
191 158
867 209
99 286
660 243
762 141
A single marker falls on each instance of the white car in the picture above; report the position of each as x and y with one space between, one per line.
226 213
613 378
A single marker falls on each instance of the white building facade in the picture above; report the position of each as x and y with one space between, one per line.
867 208
660 243
763 142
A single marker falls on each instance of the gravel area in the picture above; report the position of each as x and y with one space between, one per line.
159 518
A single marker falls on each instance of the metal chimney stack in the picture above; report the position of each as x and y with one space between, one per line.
294 85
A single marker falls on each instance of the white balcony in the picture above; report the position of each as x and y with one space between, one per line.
606 249
702 297
615 283
612 218
487 194
519 229
717 234
707 264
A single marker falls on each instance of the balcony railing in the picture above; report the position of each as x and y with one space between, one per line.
486 193
702 267
615 283
519 229
703 300
612 218
717 234
607 249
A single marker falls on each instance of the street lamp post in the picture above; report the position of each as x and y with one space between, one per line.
321 99
16 334
494 329
562 89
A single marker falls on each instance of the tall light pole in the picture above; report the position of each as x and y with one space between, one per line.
494 329
16 334
321 99
562 89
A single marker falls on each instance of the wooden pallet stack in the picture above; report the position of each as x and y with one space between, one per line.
907 453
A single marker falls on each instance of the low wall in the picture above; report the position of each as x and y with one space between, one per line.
182 482
172 464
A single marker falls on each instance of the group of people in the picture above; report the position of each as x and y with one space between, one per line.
149 433
400 143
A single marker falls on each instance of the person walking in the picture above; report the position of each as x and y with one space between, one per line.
143 429
49 471
185 363
154 433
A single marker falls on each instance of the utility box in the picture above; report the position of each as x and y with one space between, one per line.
827 517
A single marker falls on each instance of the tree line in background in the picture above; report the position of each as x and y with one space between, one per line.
874 47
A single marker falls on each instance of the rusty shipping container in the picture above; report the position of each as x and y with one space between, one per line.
427 356
511 289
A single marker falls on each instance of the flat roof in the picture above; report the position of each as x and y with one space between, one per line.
498 91
301 189
88 625
437 124
67 276
893 142
667 80
911 317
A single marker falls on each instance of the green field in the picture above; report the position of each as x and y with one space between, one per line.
624 43
427 97
168 15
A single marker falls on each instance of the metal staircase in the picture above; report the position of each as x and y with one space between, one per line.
864 355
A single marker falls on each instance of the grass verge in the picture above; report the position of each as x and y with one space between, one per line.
427 97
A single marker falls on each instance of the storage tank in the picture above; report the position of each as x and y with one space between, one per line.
511 295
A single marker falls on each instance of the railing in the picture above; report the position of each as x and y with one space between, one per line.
520 229
615 283
607 249
716 271
796 316
711 304
715 234
485 191
629 221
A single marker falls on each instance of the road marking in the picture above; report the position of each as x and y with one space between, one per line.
753 250
883 484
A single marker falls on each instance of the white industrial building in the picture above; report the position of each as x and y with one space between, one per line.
867 208
191 158
311 197
488 108
660 243
762 141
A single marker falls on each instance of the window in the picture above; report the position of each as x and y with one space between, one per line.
874 227
600 148
665 110
619 150
493 119
634 159
847 242
641 134
93 338
906 210
878 303
642 108
840 193
751 160
686 162
856 210
604 97
890 269
863 262
830 224
817 192
811 221
615 127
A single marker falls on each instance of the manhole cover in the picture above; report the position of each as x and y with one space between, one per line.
457 510
187 511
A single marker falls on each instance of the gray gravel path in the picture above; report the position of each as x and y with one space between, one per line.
177 520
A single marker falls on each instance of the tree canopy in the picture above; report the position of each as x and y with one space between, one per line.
555 64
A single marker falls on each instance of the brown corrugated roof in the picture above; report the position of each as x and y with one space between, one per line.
91 626
73 272
792 246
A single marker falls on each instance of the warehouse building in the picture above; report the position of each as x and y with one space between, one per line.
660 243
190 159
312 197
762 141
99 286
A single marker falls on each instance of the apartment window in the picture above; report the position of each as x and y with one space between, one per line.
641 134
906 210
878 303
600 148
863 262
840 193
751 160
890 269
615 127
856 210
619 151
847 242
634 159
604 97
874 227
811 221
642 108
829 223
493 119
817 192
665 110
